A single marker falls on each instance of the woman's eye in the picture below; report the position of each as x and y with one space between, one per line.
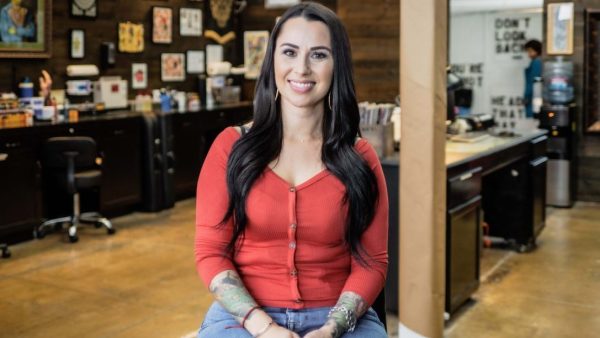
319 55
289 52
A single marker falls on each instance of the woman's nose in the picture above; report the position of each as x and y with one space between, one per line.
302 65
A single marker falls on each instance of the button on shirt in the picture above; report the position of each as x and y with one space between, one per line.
293 253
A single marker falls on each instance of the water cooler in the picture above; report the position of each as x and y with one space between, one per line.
557 115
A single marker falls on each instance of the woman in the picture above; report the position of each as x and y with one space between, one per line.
291 223
533 71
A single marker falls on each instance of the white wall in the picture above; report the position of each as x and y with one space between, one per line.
486 48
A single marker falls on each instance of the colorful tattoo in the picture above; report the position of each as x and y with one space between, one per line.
337 321
230 292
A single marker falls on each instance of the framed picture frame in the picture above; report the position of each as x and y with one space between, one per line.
255 47
172 67
559 32
34 37
162 25
139 75
87 9
131 37
76 43
190 21
195 61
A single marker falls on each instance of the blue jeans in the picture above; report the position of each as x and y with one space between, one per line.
218 322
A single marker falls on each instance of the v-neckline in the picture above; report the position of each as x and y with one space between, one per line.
305 183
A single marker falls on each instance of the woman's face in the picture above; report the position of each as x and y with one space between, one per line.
303 62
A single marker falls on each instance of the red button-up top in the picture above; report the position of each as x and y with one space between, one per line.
293 254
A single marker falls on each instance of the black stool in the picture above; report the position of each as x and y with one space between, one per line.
70 162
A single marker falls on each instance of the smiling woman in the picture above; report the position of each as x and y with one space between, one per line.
292 215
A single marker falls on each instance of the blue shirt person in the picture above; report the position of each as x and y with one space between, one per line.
534 50
16 23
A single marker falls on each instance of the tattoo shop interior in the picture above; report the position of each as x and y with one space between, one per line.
483 118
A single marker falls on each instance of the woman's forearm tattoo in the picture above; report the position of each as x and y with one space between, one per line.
352 302
230 292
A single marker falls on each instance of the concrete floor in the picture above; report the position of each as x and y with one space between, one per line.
142 283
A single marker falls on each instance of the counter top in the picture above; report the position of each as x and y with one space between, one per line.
124 114
458 153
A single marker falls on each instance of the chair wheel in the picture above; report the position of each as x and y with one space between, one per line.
73 239
39 233
111 231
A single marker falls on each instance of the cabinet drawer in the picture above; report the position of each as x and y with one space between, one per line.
538 146
464 187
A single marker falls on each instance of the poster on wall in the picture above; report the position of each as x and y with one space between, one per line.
131 37
195 61
190 22
77 44
172 67
511 32
255 47
139 75
25 28
84 8
560 29
219 22
162 24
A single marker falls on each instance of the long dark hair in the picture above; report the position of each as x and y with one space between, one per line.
262 144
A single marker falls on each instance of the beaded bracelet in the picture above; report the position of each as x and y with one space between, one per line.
264 329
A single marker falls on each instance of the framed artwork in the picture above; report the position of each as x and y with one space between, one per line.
255 47
84 8
195 61
76 44
190 22
162 24
139 75
560 28
280 3
131 37
25 28
172 67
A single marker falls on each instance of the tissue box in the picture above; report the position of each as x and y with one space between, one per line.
380 136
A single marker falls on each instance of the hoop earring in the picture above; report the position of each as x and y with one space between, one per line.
330 108
277 95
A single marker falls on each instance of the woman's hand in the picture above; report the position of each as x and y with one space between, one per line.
323 332
276 331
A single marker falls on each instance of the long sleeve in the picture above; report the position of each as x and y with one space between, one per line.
211 203
369 281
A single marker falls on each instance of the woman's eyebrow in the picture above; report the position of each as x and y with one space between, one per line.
312 48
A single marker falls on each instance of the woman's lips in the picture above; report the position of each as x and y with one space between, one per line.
301 86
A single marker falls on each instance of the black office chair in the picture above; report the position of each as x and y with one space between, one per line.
5 251
70 163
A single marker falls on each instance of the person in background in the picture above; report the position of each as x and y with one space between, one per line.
533 71
16 23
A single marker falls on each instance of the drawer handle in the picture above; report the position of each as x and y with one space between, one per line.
71 130
539 161
3 156
12 145
539 139
222 114
466 176
119 132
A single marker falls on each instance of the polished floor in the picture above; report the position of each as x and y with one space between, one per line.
142 283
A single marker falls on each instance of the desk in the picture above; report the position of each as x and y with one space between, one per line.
504 177
121 142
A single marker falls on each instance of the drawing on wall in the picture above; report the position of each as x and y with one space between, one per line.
219 25
172 67
190 22
139 75
77 44
255 47
162 24
25 28
195 61
560 28
84 8
131 37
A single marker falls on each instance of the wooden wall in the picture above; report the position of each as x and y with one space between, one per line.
374 30
103 29
588 173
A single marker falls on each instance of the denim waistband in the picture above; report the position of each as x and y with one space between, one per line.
272 309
